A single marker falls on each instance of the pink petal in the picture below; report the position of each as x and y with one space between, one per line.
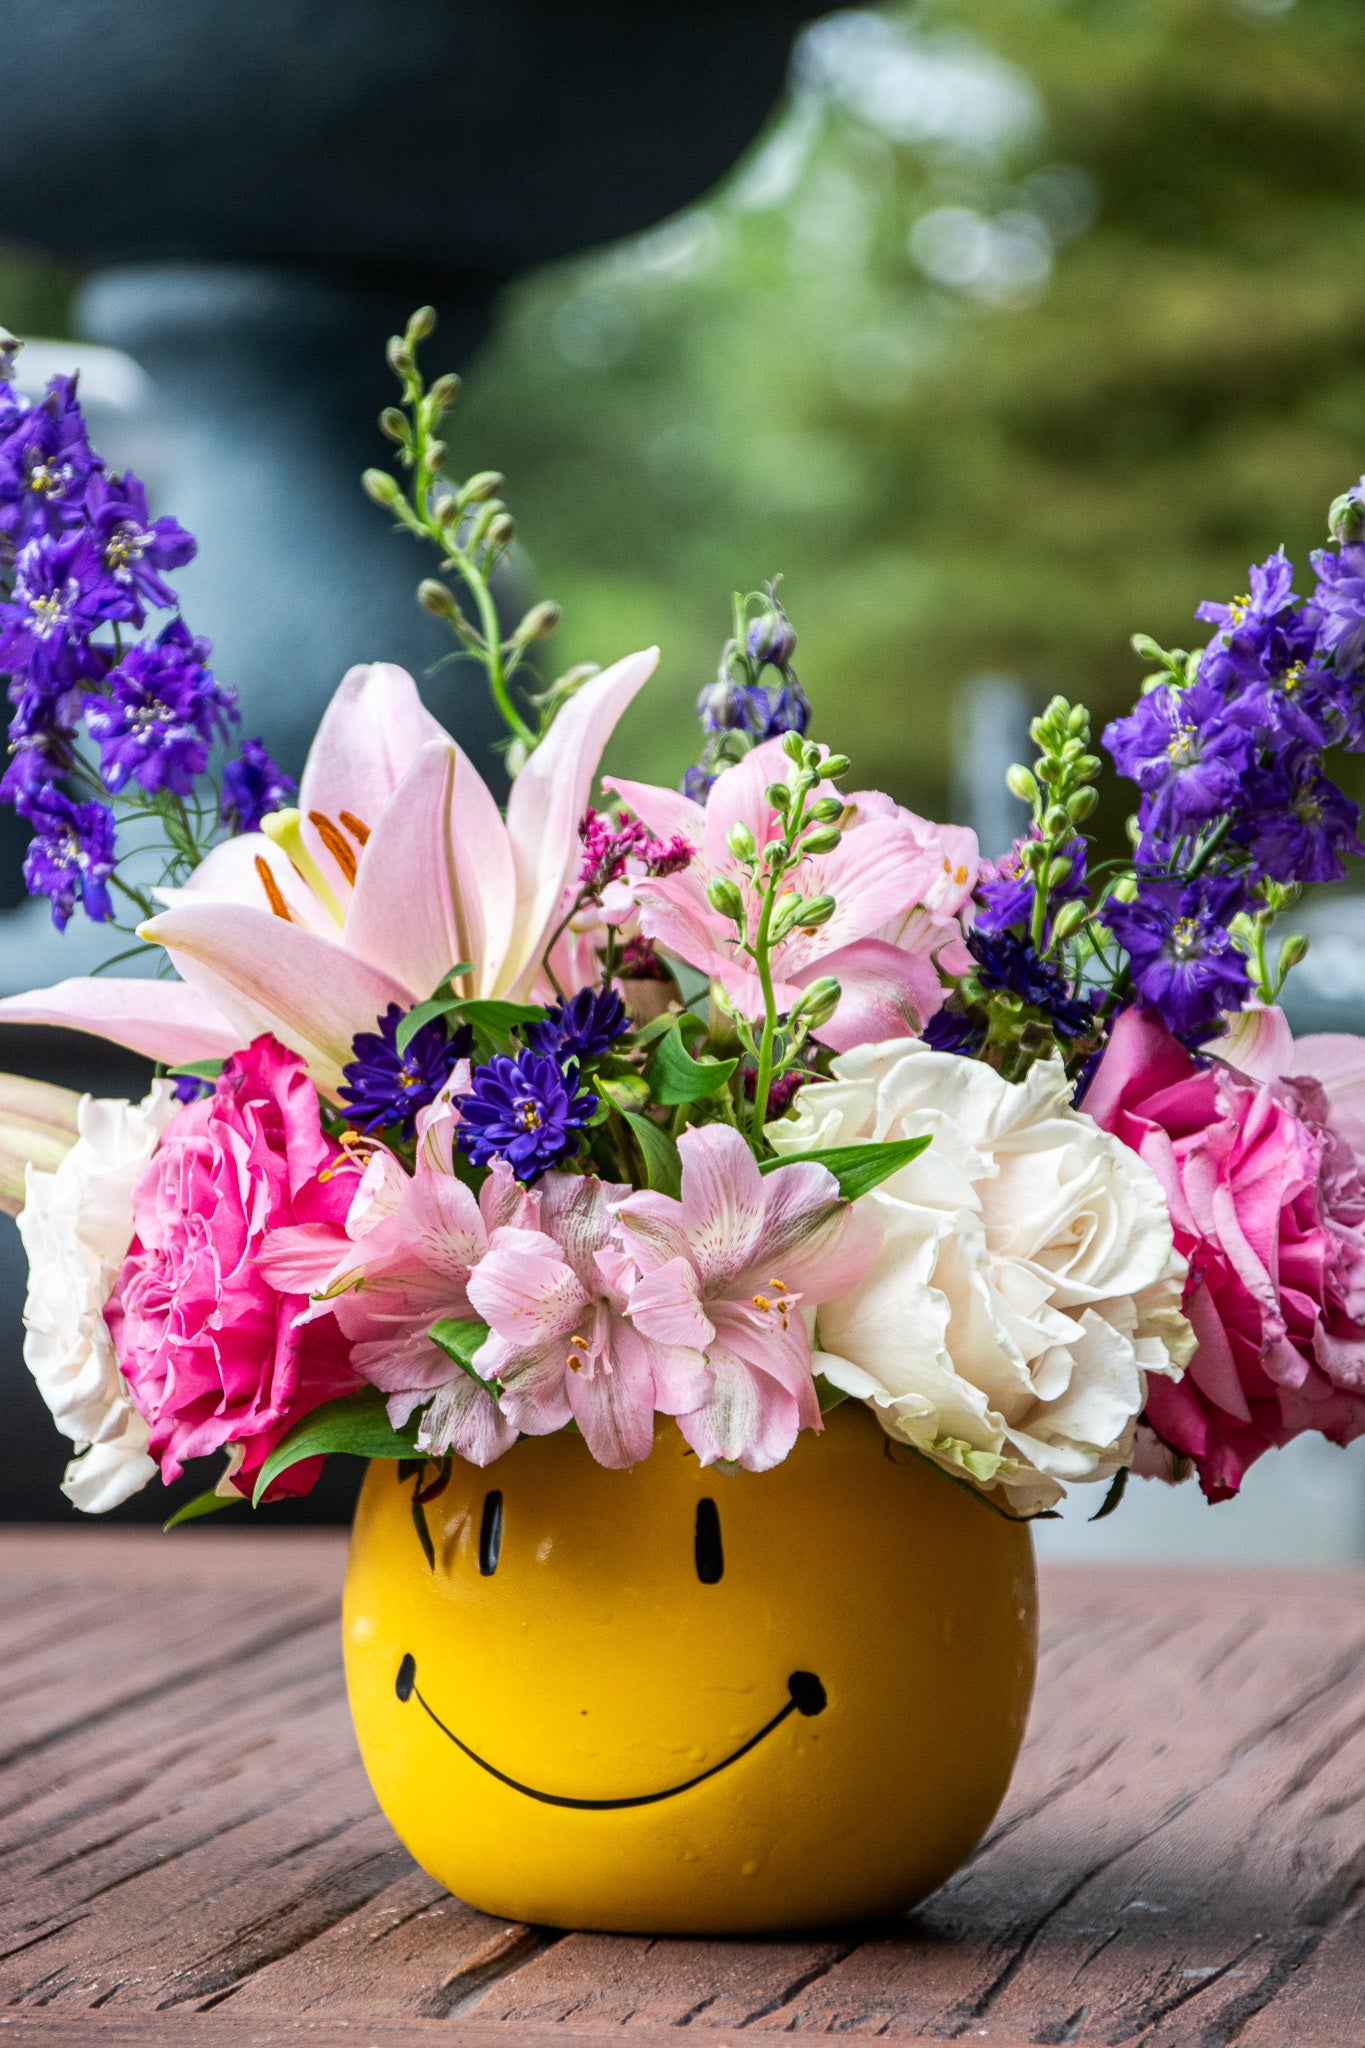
299 1258
265 974
874 875
535 1399
1337 1060
370 735
722 1203
464 1419
524 1291
666 1305
614 1406
435 884
163 1020
652 1225
817 1245
739 796
548 799
887 993
664 812
675 914
747 1419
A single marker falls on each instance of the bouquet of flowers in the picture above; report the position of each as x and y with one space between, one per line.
721 1105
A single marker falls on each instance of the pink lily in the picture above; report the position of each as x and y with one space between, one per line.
561 1343
900 886
397 866
731 1271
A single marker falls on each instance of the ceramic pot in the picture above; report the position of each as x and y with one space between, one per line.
678 1701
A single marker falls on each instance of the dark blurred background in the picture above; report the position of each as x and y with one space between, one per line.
1011 326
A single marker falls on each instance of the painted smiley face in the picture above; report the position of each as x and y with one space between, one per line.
674 1701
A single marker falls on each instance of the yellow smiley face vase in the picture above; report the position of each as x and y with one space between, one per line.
678 1701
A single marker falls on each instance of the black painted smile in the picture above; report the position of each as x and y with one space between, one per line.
807 1696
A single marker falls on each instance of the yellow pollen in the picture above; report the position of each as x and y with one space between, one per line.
529 1116
778 1286
1239 608
1293 675
762 1301
960 876
947 865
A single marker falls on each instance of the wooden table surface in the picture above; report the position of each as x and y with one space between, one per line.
189 1851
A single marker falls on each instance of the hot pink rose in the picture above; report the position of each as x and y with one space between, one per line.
208 1347
1268 1204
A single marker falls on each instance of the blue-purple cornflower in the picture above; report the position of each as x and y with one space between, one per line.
387 1088
1184 753
1180 953
71 854
581 1029
133 546
253 787
61 594
525 1110
45 462
161 716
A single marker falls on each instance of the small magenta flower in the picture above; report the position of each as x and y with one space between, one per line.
71 855
253 787
525 1110
581 1029
386 1087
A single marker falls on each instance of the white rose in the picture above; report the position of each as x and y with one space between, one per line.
77 1225
1027 1278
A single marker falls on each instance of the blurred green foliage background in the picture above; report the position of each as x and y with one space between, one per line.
1030 322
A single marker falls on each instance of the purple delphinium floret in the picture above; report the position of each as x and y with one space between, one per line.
1006 897
253 787
45 463
1296 822
581 1029
525 1110
133 547
61 595
1181 955
1185 755
385 1088
161 716
71 854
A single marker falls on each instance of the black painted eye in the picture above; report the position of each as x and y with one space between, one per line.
490 1534
710 1555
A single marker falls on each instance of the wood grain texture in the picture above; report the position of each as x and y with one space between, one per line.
188 1848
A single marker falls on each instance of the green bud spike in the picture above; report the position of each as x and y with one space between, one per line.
828 811
794 747
1133 830
538 624
1125 889
1059 872
436 456
1346 524
1055 821
817 1003
1079 722
779 796
399 355
1088 767
444 393
500 531
741 841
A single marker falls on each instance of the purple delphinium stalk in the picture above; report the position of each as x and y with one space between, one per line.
387 1088
581 1029
133 546
71 854
61 595
525 1110
161 716
1180 952
45 463
1184 754
253 787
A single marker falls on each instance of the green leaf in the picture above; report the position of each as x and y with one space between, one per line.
202 1070
1118 1486
203 1504
460 1341
357 1424
857 1168
663 1162
492 1020
674 1076
827 1394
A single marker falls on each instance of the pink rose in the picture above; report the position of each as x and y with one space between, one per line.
1268 1204
208 1346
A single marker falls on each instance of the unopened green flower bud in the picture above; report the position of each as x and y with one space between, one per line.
1059 872
393 423
384 489
1133 829
823 839
444 392
794 747
436 456
1146 648
815 911
500 531
515 757
436 599
817 1004
779 796
421 324
723 896
538 624
828 811
1055 821
1021 782
1079 722
1087 767
399 355
1048 771
741 841
836 765
1069 920
484 485
1294 949
1081 804
1346 522
1125 889
1033 853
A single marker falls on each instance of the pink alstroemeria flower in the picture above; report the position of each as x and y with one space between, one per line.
561 1343
900 887
728 1271
402 866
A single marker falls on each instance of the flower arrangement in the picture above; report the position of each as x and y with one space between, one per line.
721 1105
